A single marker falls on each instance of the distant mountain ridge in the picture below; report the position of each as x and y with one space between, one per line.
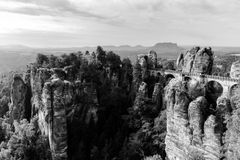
158 46
13 57
166 49
14 47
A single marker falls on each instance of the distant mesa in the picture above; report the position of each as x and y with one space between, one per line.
124 46
166 44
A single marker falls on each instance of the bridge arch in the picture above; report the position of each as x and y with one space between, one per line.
233 90
213 90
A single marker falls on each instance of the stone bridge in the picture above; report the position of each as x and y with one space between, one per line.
227 83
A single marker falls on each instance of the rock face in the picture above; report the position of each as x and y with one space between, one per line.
212 139
19 108
203 61
56 97
235 70
196 119
179 62
232 134
152 59
196 60
50 100
38 76
157 90
143 89
149 60
193 130
142 60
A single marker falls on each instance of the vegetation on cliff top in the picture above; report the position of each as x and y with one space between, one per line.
119 133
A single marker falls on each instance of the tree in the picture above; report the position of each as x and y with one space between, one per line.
4 105
42 59
25 143
89 72
101 55
52 61
126 75
168 64
113 61
126 63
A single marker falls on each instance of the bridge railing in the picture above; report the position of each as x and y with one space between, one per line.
204 75
222 78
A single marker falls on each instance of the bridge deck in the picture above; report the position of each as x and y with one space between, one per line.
198 74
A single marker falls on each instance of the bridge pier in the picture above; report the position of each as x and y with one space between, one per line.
226 90
226 82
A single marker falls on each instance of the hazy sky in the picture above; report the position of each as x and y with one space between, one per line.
63 23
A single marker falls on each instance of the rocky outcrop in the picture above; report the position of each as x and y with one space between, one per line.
203 61
196 119
212 139
193 129
152 59
156 92
235 70
178 134
188 59
19 108
56 97
179 62
143 89
196 60
38 76
232 134
149 60
142 60
51 96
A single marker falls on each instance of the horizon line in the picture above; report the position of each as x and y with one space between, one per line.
111 45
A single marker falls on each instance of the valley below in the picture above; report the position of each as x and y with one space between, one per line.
162 102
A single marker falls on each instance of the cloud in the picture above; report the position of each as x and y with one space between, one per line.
122 21
42 38
50 8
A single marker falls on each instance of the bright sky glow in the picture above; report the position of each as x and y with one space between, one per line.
66 23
